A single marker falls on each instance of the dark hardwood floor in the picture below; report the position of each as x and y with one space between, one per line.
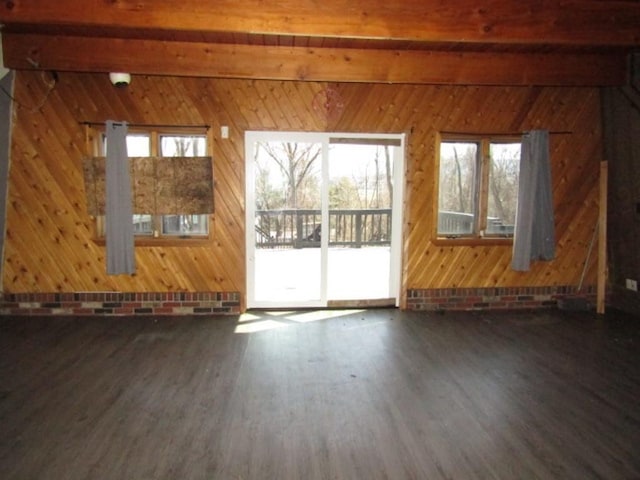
379 394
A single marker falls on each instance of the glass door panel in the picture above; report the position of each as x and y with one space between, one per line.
287 222
360 220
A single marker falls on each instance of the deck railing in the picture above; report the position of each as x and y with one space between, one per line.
301 228
455 223
458 223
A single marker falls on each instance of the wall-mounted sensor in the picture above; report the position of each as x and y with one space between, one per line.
120 79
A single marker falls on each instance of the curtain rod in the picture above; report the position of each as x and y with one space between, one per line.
507 134
147 125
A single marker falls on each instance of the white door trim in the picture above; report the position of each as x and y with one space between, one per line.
251 137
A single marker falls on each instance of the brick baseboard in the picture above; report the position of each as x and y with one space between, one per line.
228 303
494 298
121 303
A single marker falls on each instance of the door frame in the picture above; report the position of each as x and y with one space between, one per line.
395 268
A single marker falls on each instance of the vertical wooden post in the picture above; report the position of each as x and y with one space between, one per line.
299 234
602 239
358 229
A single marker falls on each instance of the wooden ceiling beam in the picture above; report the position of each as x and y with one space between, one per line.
82 54
572 22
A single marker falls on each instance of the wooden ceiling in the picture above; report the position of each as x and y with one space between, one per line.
490 42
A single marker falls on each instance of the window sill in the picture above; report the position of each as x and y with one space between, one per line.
472 241
164 241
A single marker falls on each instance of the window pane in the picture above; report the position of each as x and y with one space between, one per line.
138 145
142 225
185 225
183 145
456 192
503 188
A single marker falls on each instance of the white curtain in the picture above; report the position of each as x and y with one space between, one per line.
534 236
119 209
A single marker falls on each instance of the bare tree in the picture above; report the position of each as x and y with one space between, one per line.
296 161
503 182
495 190
376 191
267 197
389 172
186 146
461 198
457 174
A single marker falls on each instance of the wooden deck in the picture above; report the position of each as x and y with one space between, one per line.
377 394
291 275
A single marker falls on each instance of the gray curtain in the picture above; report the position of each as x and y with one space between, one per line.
534 237
5 139
119 210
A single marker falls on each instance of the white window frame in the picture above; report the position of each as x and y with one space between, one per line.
479 233
156 233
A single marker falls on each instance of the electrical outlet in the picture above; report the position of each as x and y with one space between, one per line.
632 285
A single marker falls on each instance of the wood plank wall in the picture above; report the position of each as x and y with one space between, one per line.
621 108
49 245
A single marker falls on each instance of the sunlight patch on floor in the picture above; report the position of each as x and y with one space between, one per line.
252 322
314 316
259 326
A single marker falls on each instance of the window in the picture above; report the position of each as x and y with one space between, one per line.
169 144
477 186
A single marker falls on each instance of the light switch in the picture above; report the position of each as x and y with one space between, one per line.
224 131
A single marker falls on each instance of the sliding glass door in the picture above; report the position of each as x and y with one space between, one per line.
323 219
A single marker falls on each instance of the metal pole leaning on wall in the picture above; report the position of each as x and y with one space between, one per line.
602 240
